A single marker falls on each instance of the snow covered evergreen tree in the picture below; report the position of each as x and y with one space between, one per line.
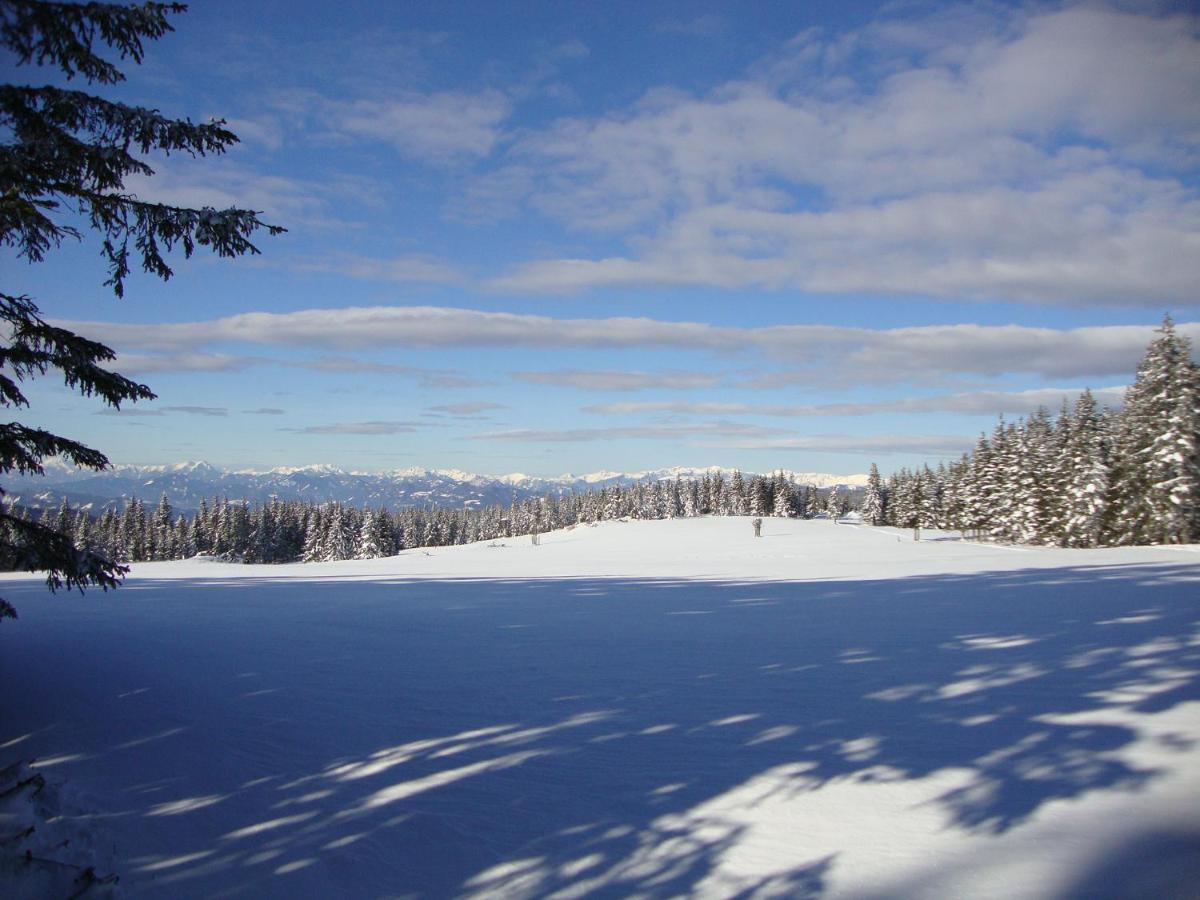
833 502
872 505
784 502
1087 479
737 503
1086 482
163 531
1156 462
759 499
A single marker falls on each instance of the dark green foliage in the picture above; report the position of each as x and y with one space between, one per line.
64 160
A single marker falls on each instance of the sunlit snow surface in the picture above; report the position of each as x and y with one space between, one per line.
647 708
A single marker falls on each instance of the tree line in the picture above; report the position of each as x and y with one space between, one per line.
280 531
1089 477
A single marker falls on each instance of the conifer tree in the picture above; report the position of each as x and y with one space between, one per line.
833 502
314 539
872 506
737 504
1161 429
65 156
133 530
367 544
163 530
1027 467
784 502
341 535
954 494
691 499
759 502
82 533
185 546
1086 482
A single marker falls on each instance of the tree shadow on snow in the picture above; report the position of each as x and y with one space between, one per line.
518 738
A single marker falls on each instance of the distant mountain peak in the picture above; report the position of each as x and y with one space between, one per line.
185 484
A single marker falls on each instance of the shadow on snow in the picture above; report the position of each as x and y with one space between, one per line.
523 737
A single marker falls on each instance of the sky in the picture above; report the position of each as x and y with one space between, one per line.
551 237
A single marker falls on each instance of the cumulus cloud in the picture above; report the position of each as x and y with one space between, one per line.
620 381
1040 156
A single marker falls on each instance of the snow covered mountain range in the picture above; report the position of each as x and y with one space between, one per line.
186 483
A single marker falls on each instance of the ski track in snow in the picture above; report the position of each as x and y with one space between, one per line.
637 708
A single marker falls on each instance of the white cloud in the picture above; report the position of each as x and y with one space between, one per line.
831 354
989 403
368 428
265 131
1062 243
632 432
621 381
740 436
439 128
878 445
210 411
180 361
467 408
1042 157
401 269
350 365
223 183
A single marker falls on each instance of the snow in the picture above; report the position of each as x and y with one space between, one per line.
313 469
514 478
635 708
592 477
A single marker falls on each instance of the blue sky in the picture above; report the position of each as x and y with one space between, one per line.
551 237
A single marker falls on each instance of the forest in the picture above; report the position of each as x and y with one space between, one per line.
1088 477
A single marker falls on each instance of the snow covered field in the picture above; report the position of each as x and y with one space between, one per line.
644 708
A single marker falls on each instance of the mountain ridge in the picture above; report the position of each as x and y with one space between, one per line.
186 483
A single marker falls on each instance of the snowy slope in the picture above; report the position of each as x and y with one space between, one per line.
653 708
